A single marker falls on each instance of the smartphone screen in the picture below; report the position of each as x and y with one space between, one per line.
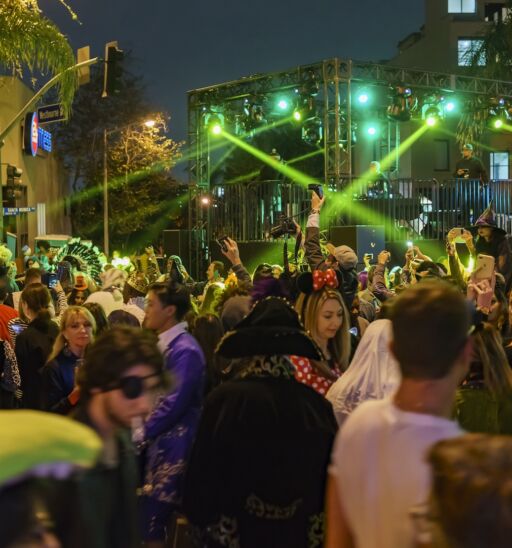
222 243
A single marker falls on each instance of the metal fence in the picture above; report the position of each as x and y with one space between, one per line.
415 209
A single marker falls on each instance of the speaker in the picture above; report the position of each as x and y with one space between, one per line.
179 242
254 253
361 238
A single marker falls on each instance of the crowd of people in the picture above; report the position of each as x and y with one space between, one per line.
291 407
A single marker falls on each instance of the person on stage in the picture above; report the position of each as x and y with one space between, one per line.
378 185
470 167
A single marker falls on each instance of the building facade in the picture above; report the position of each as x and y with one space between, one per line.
444 44
43 186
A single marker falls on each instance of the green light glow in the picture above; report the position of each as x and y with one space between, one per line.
282 104
216 129
297 115
431 121
363 98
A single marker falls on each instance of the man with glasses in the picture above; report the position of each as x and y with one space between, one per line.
117 380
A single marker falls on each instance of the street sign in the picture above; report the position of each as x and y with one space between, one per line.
17 210
50 113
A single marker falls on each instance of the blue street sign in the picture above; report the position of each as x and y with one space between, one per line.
17 210
50 113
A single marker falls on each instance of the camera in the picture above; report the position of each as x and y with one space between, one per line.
315 187
285 226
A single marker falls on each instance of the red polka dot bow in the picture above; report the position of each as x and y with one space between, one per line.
324 278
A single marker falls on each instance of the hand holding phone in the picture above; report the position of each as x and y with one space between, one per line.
222 243
317 189
484 268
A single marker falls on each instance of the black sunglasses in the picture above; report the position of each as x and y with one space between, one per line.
133 387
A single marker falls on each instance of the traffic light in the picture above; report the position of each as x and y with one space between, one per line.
13 174
112 82
13 188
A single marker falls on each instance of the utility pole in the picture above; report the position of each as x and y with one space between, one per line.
106 238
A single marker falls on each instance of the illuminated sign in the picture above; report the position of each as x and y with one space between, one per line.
31 134
44 140
34 137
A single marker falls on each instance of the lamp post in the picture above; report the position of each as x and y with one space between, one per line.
106 133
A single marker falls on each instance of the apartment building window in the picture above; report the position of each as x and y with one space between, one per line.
467 47
499 165
461 6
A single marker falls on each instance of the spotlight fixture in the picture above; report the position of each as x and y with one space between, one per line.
403 103
432 115
371 130
214 122
363 97
283 104
297 116
499 112
450 106
310 85
312 131
254 115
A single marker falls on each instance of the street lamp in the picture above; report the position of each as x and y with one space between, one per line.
106 236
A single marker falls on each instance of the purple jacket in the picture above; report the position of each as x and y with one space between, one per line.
170 432
184 360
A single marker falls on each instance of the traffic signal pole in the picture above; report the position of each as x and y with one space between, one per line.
19 116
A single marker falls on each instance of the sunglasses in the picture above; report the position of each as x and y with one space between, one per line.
133 387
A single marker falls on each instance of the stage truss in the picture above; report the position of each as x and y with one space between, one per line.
336 78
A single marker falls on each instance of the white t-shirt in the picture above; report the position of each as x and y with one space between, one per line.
379 465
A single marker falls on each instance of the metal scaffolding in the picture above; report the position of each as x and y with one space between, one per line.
335 78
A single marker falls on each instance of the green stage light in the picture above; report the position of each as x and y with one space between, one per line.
297 116
372 131
283 104
498 123
450 106
363 98
216 129
431 121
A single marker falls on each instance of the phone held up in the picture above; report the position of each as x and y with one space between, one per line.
222 243
317 188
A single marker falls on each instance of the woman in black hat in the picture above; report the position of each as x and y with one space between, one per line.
491 240
257 472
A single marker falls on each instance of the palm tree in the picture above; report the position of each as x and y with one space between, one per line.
30 41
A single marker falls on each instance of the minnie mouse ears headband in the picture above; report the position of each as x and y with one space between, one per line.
309 282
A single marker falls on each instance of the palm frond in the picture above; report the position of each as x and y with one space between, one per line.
28 39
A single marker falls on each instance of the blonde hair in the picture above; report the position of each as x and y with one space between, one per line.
67 315
308 307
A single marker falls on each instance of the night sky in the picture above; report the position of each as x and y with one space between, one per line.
189 44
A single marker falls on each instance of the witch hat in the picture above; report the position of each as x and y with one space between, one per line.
488 219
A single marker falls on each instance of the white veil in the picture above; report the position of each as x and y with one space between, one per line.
372 374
